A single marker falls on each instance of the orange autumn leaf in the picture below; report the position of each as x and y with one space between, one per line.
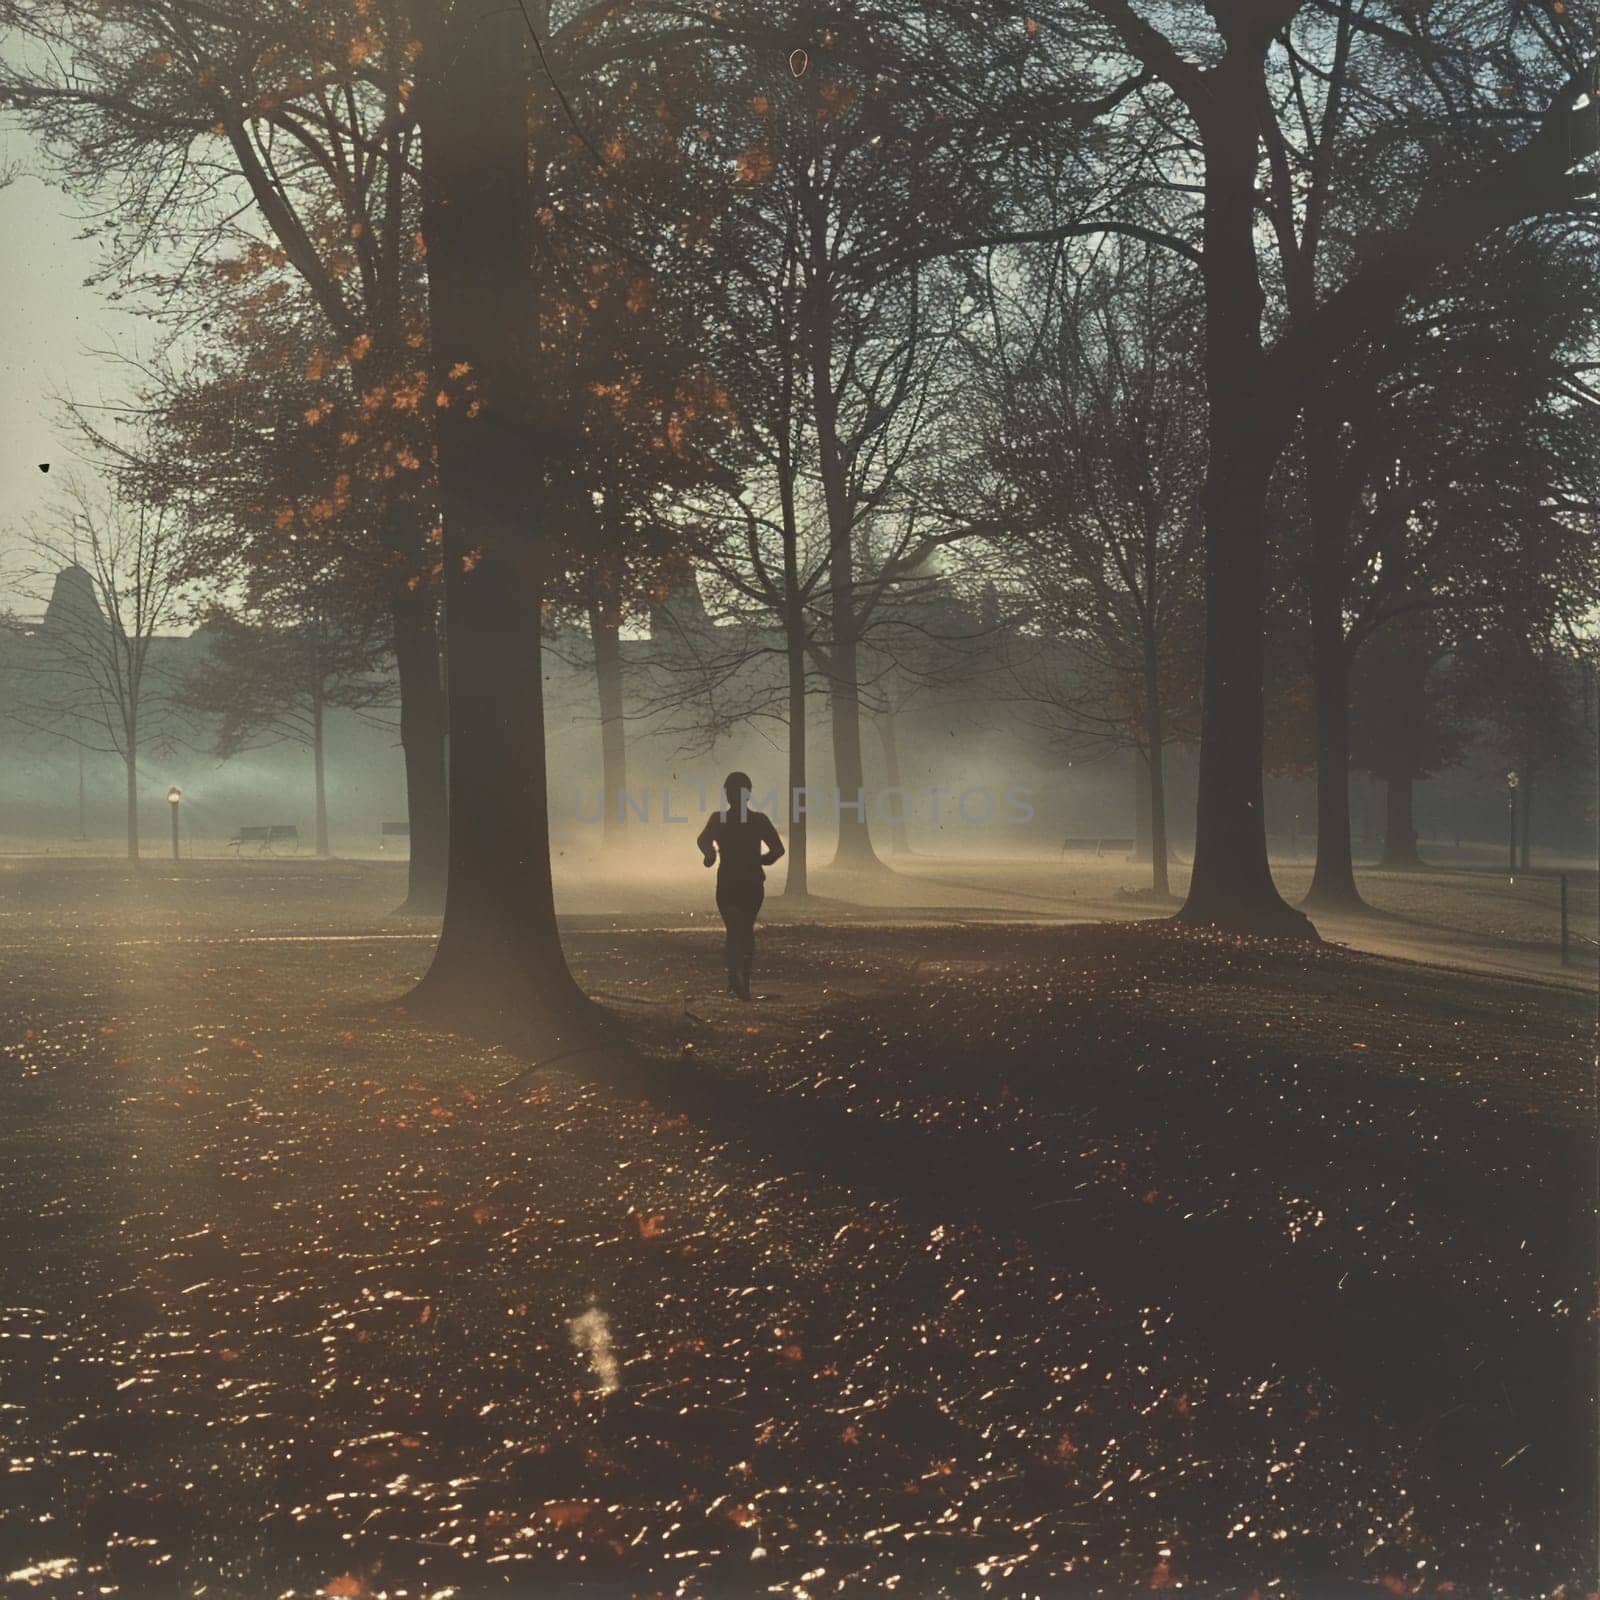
650 1227
754 166
346 1587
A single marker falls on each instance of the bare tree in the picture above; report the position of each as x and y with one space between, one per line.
1092 453
272 675
92 673
1511 141
1449 470
862 183
254 147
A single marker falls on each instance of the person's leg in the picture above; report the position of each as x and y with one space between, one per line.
757 895
728 904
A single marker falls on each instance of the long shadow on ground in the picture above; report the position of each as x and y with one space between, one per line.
1394 1195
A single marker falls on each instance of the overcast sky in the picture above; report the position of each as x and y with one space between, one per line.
51 326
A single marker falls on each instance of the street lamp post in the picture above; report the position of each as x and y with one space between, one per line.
1511 822
174 799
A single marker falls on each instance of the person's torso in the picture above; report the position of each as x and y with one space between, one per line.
741 842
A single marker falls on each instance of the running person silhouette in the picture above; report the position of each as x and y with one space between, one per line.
739 842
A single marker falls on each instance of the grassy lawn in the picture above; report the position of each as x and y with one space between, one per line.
994 1250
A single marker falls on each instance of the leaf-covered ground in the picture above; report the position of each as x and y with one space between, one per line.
972 1259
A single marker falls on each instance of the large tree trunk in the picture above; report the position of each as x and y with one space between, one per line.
1399 833
422 741
1231 883
499 960
320 767
797 884
899 839
603 631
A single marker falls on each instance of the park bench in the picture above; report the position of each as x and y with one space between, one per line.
393 830
265 838
1101 844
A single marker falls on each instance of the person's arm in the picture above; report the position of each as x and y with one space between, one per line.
769 837
707 841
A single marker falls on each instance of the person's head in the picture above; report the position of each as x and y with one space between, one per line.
736 789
